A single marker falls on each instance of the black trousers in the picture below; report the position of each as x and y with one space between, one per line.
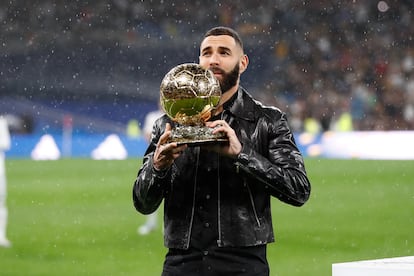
234 261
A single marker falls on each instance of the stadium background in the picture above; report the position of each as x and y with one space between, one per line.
99 63
86 68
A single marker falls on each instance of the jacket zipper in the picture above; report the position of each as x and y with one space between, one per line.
219 241
194 199
252 202
238 167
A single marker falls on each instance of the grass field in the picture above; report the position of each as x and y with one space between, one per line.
75 217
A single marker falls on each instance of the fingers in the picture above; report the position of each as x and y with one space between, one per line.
171 149
166 153
213 124
221 126
164 137
232 148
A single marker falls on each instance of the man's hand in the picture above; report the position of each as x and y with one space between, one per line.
166 153
233 147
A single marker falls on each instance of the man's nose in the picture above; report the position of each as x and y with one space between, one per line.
214 59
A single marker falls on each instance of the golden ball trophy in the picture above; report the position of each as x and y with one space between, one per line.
188 95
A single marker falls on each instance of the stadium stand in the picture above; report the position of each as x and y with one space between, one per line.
315 60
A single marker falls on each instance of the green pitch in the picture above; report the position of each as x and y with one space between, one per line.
75 217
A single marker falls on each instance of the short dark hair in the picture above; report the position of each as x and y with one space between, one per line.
225 31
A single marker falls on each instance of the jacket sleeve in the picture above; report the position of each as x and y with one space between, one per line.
281 169
148 188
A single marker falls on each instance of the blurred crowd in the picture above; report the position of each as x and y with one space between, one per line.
331 65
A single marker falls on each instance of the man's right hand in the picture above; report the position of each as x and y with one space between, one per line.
166 153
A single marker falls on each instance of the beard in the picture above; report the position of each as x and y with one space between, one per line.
228 79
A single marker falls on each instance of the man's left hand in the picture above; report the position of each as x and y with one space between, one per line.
233 147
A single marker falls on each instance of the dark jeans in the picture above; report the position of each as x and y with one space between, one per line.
237 261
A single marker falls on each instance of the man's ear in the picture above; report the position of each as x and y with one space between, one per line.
244 62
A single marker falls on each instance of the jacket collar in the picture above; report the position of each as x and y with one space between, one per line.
243 106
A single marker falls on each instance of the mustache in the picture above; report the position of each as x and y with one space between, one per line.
216 70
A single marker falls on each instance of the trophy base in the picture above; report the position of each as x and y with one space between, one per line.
195 135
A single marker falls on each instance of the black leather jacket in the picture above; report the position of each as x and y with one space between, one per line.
269 164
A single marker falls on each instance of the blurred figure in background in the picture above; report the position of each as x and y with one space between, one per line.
4 145
150 118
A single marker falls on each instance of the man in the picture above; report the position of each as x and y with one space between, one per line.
4 146
217 215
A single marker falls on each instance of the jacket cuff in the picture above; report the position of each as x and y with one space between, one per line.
160 173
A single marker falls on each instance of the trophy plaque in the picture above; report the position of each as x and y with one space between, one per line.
188 94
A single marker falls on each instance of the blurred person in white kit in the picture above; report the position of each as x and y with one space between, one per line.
151 221
4 146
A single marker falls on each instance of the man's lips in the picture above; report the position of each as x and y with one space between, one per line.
217 72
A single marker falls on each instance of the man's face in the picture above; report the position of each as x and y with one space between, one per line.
222 55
